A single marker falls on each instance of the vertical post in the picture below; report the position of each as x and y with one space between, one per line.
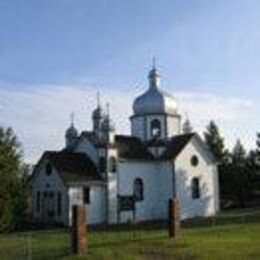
174 218
79 230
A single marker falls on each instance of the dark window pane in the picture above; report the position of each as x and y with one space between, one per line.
155 128
59 203
138 189
112 164
48 169
102 164
195 188
38 201
86 195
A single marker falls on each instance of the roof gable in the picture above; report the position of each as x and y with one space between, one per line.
175 146
130 147
178 143
72 167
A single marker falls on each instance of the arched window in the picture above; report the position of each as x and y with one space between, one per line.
194 160
112 164
48 169
155 128
38 201
195 186
102 164
59 203
138 189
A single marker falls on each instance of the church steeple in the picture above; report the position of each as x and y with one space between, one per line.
187 127
98 116
71 134
154 77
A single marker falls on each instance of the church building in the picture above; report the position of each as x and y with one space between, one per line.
126 178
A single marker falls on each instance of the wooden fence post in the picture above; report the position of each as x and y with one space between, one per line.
79 230
174 218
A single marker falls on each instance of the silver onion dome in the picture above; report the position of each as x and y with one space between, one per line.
71 132
154 100
107 125
98 113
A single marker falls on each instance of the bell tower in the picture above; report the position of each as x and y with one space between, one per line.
155 112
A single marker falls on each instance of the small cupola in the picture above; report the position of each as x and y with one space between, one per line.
187 127
71 134
98 116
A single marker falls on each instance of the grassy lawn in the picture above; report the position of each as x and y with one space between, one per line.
198 240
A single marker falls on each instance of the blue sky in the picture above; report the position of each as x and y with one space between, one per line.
207 52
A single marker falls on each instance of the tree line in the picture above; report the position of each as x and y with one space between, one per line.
14 184
239 170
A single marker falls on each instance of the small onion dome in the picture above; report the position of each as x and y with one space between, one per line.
186 127
98 113
154 100
71 132
107 125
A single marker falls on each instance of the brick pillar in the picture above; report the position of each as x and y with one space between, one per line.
79 230
174 218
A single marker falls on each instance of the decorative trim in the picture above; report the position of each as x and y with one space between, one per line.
153 114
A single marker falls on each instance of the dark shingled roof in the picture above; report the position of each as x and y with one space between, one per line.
175 145
73 167
130 147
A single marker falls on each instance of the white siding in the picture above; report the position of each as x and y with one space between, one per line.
86 147
207 204
158 188
138 127
112 189
44 183
173 126
95 210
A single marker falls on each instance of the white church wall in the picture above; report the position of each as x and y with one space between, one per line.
207 204
173 125
157 180
49 183
86 147
95 210
138 127
112 187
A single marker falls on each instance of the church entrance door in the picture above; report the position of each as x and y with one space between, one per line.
48 209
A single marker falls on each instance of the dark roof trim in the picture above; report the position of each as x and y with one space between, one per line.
72 167
175 146
153 114
132 148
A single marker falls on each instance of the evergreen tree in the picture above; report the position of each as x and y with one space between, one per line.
12 188
257 152
243 175
239 153
215 142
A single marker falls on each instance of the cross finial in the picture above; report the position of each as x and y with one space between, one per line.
98 99
72 116
108 109
154 62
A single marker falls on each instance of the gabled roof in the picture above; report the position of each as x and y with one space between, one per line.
72 167
175 146
130 147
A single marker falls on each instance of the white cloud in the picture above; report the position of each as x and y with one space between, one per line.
236 117
40 115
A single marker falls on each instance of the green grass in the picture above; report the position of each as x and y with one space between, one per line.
198 240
